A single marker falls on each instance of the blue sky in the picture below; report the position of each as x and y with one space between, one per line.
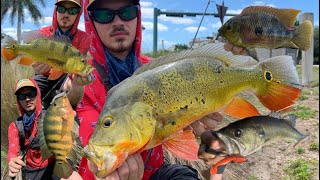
174 30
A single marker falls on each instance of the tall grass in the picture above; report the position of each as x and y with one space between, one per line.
10 73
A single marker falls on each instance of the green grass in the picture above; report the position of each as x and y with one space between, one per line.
304 94
304 112
300 150
299 170
314 146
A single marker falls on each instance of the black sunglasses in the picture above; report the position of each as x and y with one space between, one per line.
104 16
71 11
30 94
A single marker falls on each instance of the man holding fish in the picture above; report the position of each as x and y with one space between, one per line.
116 42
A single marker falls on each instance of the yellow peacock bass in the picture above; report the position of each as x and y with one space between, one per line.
58 134
267 27
56 52
152 106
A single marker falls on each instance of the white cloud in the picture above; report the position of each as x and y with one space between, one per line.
193 29
261 3
145 4
176 20
316 23
147 13
46 20
149 26
13 31
216 25
234 11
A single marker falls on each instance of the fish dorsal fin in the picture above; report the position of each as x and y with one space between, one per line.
29 36
286 16
211 50
183 145
240 108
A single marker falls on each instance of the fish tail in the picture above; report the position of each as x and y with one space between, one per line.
281 83
62 169
8 48
303 35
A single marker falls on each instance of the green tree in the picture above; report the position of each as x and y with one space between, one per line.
14 8
180 47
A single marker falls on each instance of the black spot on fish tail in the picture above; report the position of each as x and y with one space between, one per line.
52 46
173 122
258 31
221 81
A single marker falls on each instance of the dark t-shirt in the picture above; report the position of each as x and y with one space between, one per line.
48 88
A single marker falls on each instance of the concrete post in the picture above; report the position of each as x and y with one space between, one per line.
155 29
307 56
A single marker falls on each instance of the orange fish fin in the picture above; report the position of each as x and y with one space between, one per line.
9 54
231 158
26 61
279 97
240 108
54 74
183 145
286 16
303 35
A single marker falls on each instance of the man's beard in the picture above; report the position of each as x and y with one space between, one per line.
120 46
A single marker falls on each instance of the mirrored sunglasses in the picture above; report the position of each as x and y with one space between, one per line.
104 16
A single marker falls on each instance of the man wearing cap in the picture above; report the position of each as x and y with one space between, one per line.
66 17
29 103
115 30
28 149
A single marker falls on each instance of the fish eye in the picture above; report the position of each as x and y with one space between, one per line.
228 27
107 122
237 132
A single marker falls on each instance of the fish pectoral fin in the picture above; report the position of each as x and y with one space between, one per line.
54 74
45 152
240 108
231 158
25 60
183 145
251 52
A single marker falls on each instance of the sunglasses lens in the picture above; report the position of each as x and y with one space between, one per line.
103 16
31 94
61 9
128 13
74 11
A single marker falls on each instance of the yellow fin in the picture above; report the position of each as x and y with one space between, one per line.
303 35
286 16
54 74
183 145
62 169
25 61
240 108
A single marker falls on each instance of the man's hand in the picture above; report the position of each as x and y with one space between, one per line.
40 68
236 50
208 122
132 168
209 141
15 165
74 85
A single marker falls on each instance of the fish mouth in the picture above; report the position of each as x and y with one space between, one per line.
231 146
106 160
